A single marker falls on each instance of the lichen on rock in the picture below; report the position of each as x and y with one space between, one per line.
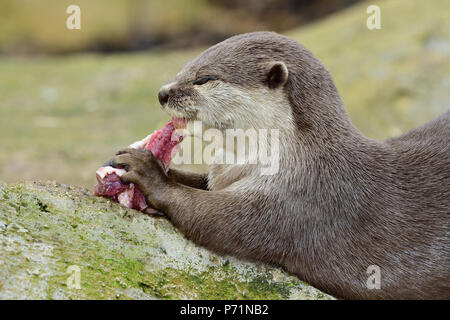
51 233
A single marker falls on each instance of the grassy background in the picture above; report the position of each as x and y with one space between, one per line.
61 117
29 26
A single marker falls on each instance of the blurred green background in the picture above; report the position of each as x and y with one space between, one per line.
70 98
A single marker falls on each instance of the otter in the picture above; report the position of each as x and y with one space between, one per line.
340 203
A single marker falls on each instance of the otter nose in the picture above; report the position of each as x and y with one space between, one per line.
163 96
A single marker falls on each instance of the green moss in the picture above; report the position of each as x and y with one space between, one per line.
121 254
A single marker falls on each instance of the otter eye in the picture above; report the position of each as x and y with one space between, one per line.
205 79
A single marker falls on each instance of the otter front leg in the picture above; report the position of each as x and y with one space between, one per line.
222 221
191 179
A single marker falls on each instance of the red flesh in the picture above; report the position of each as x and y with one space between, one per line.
161 145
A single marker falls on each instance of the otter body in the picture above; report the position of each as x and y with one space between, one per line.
340 203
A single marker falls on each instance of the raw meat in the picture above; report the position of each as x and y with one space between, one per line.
162 143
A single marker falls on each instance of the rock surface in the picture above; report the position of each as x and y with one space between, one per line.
52 233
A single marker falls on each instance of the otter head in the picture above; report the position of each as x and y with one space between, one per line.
237 83
255 80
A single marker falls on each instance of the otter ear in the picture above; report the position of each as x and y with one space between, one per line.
276 74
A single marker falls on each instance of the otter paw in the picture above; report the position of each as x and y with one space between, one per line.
143 169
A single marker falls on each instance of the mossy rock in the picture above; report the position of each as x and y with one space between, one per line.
50 231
